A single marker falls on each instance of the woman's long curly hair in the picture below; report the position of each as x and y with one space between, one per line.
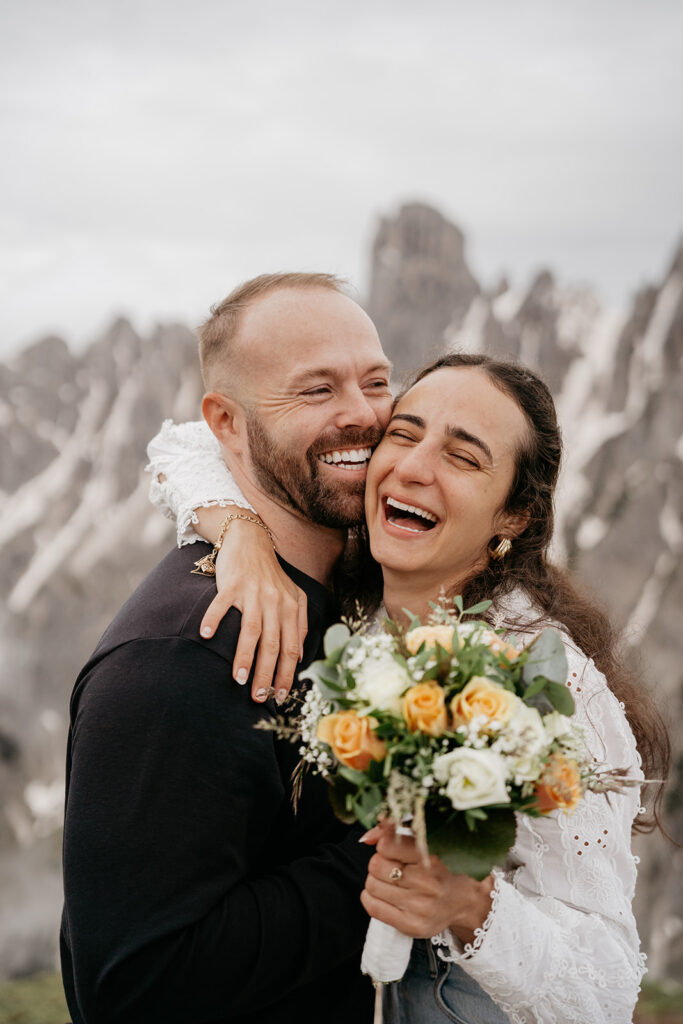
549 587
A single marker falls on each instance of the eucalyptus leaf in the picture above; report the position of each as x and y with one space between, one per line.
352 776
335 637
476 609
546 658
367 804
338 799
535 687
560 698
540 701
414 620
473 853
457 601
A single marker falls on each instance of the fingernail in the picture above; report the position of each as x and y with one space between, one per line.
280 696
242 676
301 653
366 835
206 630
260 694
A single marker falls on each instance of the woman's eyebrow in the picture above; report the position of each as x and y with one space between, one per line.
417 421
460 434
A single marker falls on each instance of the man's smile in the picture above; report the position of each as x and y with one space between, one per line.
353 459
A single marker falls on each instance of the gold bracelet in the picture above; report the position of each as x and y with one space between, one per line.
206 566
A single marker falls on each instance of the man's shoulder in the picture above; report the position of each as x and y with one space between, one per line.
170 603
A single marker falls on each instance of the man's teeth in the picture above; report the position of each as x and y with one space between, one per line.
347 455
413 509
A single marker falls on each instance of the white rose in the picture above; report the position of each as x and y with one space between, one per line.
473 778
526 729
556 726
526 768
381 681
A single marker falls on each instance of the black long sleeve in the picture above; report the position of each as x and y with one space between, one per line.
193 892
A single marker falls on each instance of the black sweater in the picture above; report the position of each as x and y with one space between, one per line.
193 893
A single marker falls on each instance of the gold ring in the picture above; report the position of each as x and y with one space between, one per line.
395 875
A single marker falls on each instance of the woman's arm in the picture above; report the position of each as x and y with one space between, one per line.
559 940
191 484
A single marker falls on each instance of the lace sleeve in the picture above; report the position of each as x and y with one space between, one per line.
189 457
560 944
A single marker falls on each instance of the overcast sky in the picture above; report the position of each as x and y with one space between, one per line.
155 152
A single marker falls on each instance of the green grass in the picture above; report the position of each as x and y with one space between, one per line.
40 1000
661 1003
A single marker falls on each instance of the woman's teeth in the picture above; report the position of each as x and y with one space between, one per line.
404 513
349 456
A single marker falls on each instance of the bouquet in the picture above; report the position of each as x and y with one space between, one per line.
448 729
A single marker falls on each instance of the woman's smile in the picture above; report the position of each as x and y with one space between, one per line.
438 482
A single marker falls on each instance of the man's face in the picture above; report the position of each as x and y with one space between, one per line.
317 394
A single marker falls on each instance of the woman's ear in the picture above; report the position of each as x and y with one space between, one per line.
226 421
513 524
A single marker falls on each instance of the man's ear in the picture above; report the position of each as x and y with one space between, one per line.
225 418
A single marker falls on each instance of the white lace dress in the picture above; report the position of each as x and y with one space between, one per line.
560 944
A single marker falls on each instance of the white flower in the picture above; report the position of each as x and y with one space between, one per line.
526 768
472 778
525 743
556 725
525 731
380 681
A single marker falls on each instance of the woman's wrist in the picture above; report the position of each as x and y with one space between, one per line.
472 911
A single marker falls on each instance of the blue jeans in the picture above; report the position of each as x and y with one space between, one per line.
435 992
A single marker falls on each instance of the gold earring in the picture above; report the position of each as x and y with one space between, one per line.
501 550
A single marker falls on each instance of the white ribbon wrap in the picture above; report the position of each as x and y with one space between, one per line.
386 952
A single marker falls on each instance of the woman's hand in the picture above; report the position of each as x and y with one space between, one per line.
426 898
274 609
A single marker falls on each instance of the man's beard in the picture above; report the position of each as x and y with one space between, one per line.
296 481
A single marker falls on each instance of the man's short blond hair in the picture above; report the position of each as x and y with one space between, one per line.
218 333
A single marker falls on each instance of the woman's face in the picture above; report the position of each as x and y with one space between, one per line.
439 479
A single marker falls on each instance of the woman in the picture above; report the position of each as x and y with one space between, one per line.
459 496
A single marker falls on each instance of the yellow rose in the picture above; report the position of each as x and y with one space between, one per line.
431 636
481 696
559 788
424 709
352 739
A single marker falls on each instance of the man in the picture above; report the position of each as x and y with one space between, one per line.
193 893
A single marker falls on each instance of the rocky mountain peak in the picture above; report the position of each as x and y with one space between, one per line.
420 283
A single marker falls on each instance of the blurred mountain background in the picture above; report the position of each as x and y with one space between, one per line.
77 533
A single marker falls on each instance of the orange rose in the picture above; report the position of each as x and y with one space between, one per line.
424 709
499 646
559 788
481 696
352 739
430 636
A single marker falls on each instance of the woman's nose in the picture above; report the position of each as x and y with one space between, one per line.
414 465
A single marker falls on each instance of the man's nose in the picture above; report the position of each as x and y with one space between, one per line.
355 410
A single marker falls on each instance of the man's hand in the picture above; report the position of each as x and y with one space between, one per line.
426 898
274 610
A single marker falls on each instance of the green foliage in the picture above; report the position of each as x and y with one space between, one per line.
545 674
469 850
38 999
335 638
546 658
